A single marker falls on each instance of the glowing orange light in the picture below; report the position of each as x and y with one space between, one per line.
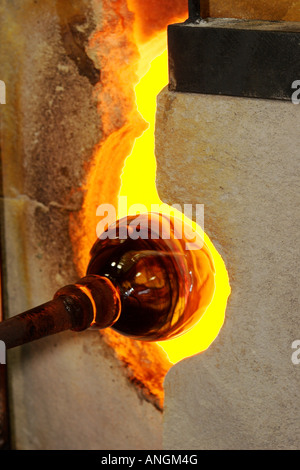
138 185
135 60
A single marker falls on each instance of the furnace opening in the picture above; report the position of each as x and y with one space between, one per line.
130 49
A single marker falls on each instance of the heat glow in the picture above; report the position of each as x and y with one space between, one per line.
130 46
138 185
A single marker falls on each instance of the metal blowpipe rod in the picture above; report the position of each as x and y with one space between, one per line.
91 301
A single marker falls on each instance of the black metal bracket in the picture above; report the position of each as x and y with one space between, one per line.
5 440
4 422
194 11
247 58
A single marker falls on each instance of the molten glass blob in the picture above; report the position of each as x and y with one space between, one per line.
164 285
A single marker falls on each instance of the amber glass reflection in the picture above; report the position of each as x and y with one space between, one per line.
164 287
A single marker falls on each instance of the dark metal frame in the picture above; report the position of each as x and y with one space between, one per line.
246 58
5 440
194 10
4 410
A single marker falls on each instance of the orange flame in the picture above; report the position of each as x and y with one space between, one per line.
131 48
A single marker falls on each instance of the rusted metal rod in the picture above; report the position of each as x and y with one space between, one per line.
4 421
52 317
4 413
4 408
74 307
